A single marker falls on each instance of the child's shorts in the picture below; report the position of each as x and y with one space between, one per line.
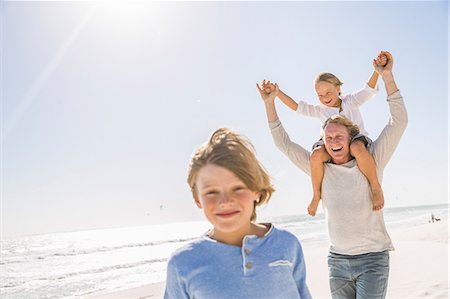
368 142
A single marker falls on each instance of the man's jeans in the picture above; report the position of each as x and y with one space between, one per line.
362 276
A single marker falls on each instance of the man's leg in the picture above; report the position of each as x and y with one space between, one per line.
342 286
373 276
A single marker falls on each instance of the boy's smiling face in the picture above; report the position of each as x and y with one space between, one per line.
226 201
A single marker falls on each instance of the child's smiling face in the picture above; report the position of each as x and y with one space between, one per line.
226 201
328 94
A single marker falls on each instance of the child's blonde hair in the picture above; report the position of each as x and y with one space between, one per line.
328 77
234 152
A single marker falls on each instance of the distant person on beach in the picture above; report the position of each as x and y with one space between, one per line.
433 218
358 261
328 89
237 258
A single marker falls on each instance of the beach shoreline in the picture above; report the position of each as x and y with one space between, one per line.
419 267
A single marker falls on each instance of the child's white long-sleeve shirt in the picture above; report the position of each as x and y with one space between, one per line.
350 107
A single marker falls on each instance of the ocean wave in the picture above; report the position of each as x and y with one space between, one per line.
77 252
53 278
11 284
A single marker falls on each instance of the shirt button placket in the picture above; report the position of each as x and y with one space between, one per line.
248 265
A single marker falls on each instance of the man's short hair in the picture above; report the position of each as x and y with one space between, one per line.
352 128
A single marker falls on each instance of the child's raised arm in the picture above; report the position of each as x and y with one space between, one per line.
373 79
287 100
361 96
380 60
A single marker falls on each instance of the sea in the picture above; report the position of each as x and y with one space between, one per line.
77 264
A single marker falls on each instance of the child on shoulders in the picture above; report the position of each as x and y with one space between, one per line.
328 89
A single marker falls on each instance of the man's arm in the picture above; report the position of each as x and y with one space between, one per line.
296 153
268 96
386 72
389 83
385 145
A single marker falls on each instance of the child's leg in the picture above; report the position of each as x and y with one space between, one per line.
366 164
318 157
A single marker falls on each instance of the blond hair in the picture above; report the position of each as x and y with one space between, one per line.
234 152
352 128
328 77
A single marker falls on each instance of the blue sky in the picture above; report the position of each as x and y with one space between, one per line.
104 103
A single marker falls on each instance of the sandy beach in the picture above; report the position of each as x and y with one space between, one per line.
419 267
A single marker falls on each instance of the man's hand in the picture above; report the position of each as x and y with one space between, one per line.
268 91
383 68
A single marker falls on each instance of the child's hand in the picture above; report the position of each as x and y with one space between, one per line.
268 91
381 60
267 86
383 63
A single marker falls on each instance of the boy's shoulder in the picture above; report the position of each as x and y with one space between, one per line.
284 237
192 255
282 232
190 249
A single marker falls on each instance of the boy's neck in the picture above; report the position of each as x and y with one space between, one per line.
236 238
